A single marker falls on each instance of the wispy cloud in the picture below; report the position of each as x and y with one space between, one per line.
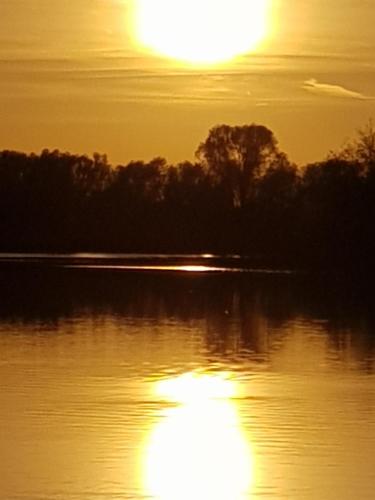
329 89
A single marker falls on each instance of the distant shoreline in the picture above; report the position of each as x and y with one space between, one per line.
241 201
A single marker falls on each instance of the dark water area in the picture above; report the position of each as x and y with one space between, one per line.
183 378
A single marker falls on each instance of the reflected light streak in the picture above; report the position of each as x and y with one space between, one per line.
198 269
198 451
140 267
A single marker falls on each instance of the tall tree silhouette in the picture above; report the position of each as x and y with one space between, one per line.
236 156
361 150
331 206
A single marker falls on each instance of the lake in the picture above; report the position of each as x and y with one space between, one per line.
183 378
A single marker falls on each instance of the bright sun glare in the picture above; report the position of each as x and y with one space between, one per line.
202 31
198 449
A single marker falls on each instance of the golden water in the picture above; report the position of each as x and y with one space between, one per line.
179 387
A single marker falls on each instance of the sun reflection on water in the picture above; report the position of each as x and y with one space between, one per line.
198 450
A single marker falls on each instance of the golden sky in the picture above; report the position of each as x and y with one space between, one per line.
72 77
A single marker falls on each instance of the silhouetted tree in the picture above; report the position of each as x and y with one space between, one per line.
331 201
133 205
191 206
236 156
361 150
274 212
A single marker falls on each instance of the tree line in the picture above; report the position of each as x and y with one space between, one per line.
242 195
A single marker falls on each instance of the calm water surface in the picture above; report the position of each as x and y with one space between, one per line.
175 385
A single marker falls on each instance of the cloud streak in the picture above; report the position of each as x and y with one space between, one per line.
312 85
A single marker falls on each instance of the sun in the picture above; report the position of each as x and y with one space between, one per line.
201 31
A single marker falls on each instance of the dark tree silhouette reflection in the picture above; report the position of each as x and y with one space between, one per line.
239 317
